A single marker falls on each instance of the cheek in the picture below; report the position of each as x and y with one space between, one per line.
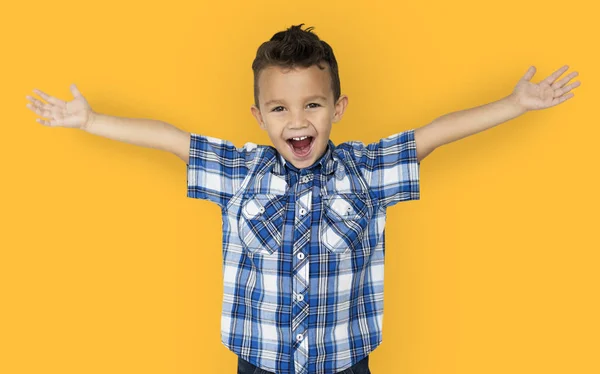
276 135
324 129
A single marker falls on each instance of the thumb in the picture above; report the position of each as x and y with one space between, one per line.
75 91
529 74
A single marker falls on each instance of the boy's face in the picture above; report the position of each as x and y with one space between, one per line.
298 103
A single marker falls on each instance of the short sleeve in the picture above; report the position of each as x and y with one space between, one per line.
216 168
391 167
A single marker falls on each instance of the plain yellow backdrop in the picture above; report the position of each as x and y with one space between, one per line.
107 267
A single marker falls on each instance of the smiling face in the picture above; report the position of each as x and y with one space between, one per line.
297 110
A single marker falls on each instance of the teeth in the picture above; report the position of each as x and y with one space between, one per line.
300 138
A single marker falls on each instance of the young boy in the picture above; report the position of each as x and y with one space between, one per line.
303 219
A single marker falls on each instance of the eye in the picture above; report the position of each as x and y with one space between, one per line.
277 107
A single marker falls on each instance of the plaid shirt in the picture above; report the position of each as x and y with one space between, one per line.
303 249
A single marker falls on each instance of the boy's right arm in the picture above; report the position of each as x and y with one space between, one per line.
215 168
77 113
141 131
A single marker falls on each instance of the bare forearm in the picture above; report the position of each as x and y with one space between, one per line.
142 132
457 125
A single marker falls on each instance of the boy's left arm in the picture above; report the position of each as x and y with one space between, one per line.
525 97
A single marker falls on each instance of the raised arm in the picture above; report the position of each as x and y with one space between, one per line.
525 97
138 131
143 132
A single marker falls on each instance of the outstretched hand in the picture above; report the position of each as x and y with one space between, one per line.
75 113
545 94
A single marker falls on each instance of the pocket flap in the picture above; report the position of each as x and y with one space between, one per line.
252 208
265 206
346 206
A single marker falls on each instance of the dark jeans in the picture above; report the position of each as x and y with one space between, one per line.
361 367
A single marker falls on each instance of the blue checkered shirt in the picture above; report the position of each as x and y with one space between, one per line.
303 249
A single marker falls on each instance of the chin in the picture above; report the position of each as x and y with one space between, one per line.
303 164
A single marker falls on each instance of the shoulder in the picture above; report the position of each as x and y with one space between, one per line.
383 145
355 149
210 148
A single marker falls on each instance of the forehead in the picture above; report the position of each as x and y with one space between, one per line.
284 83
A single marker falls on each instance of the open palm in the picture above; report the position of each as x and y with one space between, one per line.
545 94
75 113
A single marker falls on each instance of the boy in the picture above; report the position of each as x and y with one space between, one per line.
303 219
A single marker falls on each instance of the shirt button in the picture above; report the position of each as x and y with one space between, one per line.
304 179
302 211
300 297
299 337
300 256
261 209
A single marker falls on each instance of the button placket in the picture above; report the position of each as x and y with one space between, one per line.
302 203
303 192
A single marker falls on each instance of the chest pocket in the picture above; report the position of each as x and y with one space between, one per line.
345 219
261 223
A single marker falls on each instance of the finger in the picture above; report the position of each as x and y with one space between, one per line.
563 81
43 121
33 108
555 75
50 99
566 89
529 74
40 112
38 104
46 110
75 91
558 100
52 123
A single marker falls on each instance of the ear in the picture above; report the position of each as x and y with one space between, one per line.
340 108
256 113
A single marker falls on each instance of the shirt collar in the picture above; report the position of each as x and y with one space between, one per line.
326 162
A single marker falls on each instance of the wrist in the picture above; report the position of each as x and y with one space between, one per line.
89 122
514 101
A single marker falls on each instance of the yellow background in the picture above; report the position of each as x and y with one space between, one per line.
107 267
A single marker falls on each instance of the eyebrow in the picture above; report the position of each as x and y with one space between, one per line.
307 99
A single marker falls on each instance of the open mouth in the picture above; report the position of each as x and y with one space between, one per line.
301 146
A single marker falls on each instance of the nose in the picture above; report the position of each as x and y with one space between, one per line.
298 120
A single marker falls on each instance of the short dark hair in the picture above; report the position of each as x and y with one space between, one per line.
296 47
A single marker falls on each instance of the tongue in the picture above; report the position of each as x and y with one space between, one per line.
301 143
